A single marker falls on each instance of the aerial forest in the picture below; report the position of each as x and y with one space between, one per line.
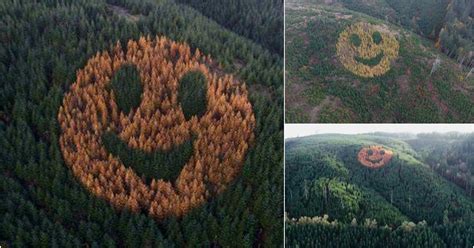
150 123
380 61
380 190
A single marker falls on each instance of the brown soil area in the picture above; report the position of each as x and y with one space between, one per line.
123 12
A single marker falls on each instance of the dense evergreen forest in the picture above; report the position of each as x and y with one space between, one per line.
51 194
260 21
333 76
420 197
450 155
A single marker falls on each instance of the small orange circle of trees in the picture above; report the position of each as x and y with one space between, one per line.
374 156
223 133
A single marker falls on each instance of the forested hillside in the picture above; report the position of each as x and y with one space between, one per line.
116 122
261 21
334 198
448 23
451 155
348 62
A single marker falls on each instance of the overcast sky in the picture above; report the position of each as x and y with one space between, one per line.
299 130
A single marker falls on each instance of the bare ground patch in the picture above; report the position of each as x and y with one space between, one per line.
342 16
295 99
313 60
305 39
261 89
404 82
373 90
436 99
386 29
328 101
465 84
123 12
294 92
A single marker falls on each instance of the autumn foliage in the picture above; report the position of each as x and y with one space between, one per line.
222 134
374 156
367 48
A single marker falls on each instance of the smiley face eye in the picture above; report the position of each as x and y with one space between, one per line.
370 152
377 37
355 40
127 88
192 94
381 152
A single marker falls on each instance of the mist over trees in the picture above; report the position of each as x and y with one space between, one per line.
419 198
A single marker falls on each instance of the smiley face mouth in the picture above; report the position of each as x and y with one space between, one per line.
159 164
370 61
374 160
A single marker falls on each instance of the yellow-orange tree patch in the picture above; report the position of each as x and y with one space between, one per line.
223 133
363 41
374 156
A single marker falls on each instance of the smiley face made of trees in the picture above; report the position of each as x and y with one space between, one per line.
196 153
367 50
374 156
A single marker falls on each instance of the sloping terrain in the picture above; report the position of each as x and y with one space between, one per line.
449 155
260 21
412 83
448 23
57 59
373 205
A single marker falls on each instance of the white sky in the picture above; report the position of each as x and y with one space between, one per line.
295 130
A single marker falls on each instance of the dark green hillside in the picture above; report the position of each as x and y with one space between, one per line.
260 21
421 84
43 204
376 206
451 155
448 23
423 16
